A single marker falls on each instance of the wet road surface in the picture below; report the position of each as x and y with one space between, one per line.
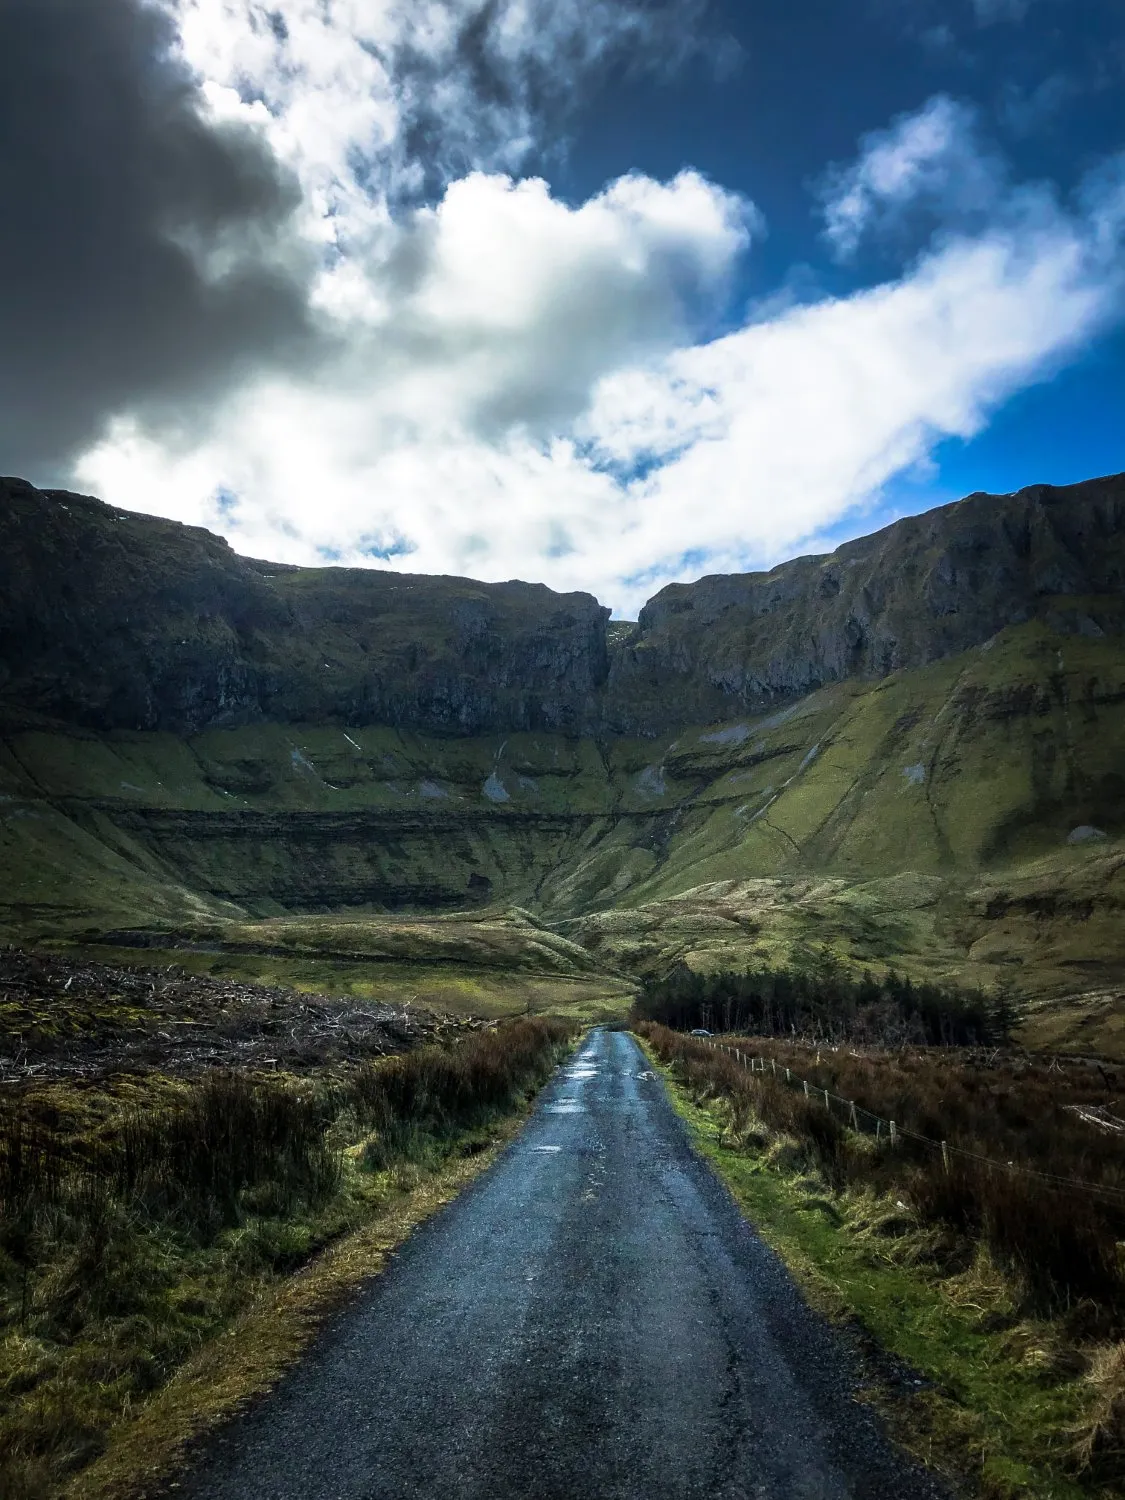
591 1318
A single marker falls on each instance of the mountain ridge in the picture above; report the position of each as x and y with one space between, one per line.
114 620
919 590
907 752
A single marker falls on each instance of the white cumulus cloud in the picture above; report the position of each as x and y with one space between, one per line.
523 387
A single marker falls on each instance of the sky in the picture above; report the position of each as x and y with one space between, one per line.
598 293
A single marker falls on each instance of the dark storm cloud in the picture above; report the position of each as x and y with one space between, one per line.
113 192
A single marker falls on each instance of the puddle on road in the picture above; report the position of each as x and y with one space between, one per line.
581 1073
546 1148
566 1107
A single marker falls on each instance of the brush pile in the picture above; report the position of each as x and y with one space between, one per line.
63 1017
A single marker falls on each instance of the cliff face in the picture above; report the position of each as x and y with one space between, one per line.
922 589
112 620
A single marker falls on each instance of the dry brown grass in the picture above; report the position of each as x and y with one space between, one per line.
1062 1241
127 1248
265 1341
1101 1443
1030 1278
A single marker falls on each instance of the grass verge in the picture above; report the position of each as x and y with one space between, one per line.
1006 1401
166 1250
266 1340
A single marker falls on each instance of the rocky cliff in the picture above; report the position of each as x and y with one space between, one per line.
119 621
922 589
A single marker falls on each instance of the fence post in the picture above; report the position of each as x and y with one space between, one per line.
773 1066
878 1128
855 1117
827 1106
945 1156
805 1081
894 1135
787 1078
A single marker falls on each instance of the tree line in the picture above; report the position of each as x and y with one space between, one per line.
825 1005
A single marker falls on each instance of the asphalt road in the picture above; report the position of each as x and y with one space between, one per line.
591 1318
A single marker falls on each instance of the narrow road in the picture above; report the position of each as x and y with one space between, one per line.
591 1318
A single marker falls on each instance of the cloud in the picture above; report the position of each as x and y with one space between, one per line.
504 384
145 255
990 12
771 434
377 104
1026 111
514 304
442 428
725 453
927 165
199 191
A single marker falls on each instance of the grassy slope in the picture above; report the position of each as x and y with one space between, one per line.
489 963
922 821
929 829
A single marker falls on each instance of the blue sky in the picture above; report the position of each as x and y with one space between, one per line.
604 293
803 82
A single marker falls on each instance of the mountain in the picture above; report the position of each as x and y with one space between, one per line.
921 589
909 752
120 621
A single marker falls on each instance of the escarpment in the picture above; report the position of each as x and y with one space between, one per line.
112 620
924 588
908 751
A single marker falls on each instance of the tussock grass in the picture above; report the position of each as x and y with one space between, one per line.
1101 1441
125 1248
1036 1270
432 1093
1060 1240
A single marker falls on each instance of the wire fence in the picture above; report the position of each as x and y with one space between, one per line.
857 1118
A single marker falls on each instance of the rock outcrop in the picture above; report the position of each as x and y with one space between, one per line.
113 620
923 588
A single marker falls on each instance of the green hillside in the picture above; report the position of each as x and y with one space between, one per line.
964 818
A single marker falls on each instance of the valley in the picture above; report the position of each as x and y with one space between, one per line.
309 879
961 819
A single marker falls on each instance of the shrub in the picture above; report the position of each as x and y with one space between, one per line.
1060 1237
437 1091
194 1161
239 1178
